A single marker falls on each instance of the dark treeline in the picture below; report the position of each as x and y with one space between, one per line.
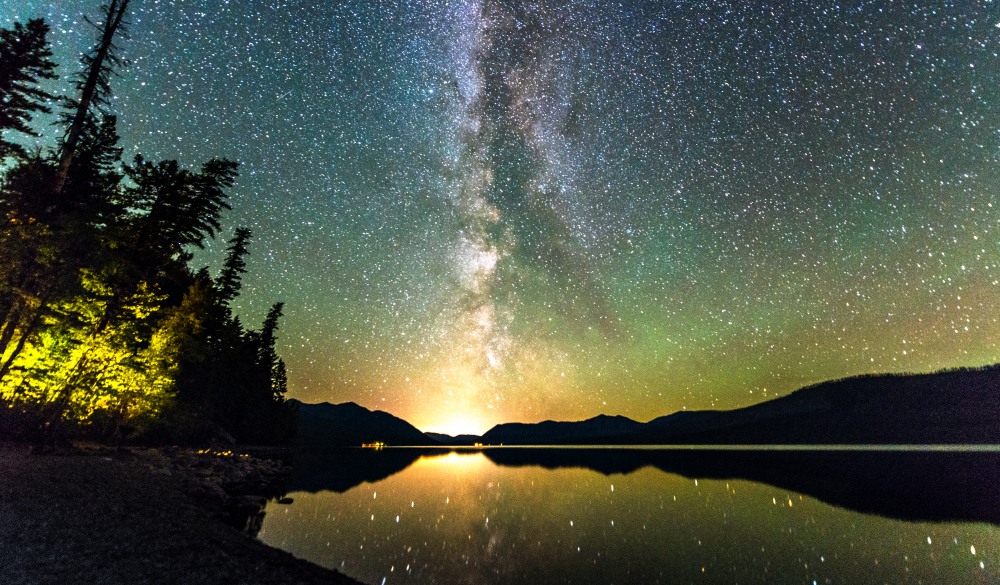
105 329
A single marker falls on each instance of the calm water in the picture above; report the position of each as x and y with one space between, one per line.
551 516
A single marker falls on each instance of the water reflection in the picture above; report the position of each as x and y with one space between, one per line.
911 485
339 470
615 516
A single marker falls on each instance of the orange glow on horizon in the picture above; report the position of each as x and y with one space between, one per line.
457 423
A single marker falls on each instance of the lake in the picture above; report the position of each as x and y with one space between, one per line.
620 515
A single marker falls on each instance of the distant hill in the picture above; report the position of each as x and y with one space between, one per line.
595 430
457 440
349 424
960 406
950 407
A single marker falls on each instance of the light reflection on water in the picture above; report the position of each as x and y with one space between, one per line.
461 518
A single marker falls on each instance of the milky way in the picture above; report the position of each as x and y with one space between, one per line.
479 211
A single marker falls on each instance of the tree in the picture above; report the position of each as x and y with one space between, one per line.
270 417
91 192
268 335
279 380
46 246
24 64
235 266
103 323
94 86
178 208
55 214
172 208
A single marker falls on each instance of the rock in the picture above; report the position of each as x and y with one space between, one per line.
246 502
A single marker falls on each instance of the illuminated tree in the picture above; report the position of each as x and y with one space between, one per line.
47 245
24 63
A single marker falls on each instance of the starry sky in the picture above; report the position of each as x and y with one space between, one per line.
479 211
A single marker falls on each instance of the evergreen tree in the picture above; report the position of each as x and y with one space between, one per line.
268 335
92 193
54 231
48 245
271 418
24 64
279 380
93 86
181 208
235 266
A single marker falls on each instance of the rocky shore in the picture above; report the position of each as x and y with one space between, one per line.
136 516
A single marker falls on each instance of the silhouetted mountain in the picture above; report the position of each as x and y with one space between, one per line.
457 440
591 431
961 406
349 424
951 407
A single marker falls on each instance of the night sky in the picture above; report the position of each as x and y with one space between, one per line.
485 211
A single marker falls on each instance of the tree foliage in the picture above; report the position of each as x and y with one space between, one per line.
24 64
230 278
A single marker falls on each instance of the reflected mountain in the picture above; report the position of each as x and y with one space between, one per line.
918 486
338 470
915 486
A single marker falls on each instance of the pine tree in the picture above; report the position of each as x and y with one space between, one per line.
93 86
279 380
24 64
230 277
47 246
267 359
181 208
91 192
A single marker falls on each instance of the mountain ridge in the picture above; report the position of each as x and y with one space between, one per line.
349 424
948 407
552 432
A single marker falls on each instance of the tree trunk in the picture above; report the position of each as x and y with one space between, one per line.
10 326
25 334
8 301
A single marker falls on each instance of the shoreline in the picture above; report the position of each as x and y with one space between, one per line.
140 515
